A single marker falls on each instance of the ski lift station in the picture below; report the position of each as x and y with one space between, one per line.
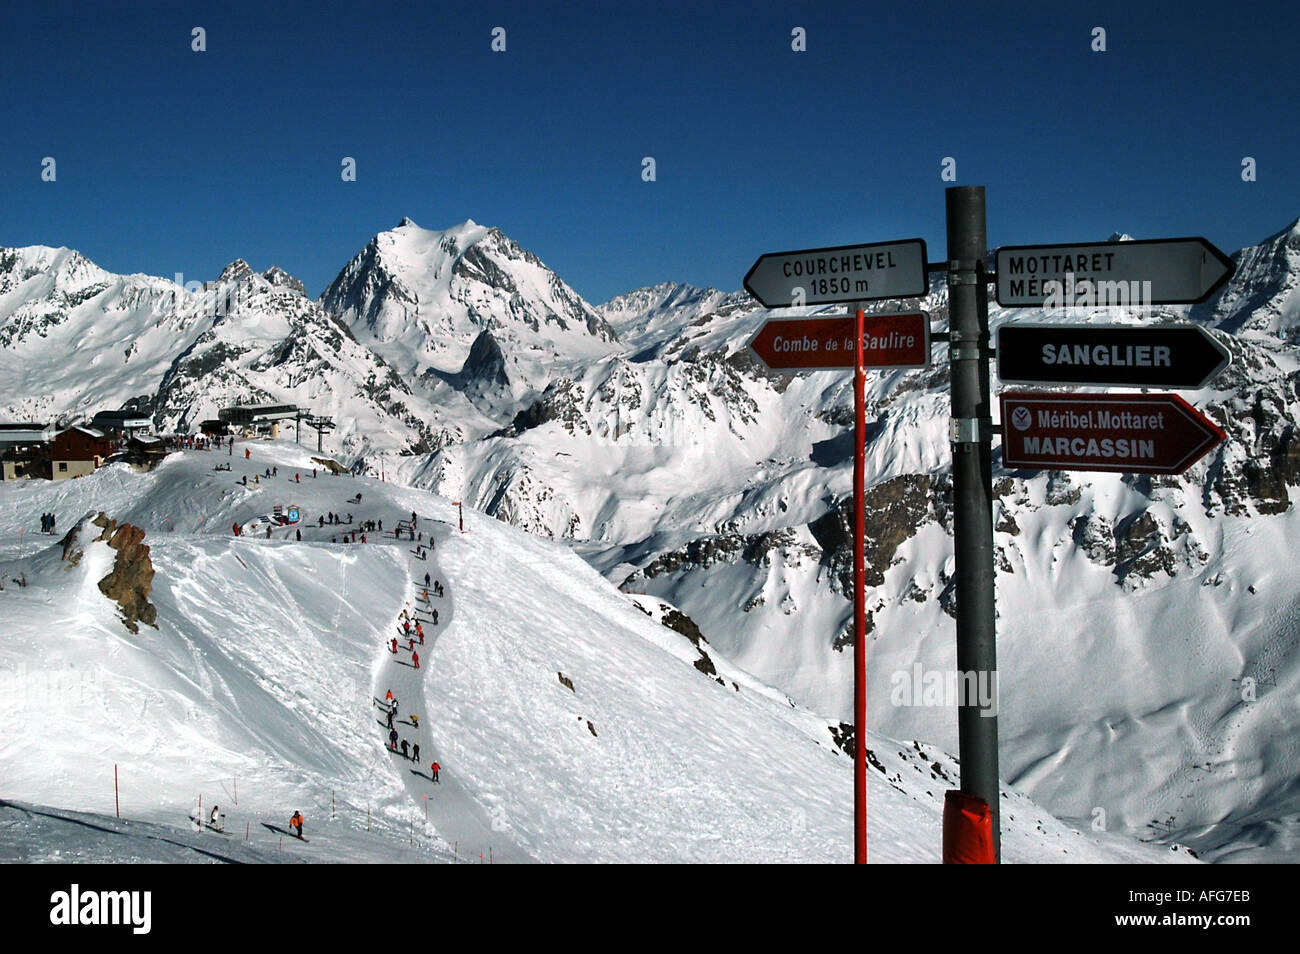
262 419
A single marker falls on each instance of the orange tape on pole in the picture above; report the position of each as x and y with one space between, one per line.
967 830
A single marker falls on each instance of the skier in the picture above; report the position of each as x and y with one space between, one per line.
320 521
392 739
415 658
415 751
394 644
363 538
214 819
298 535
406 627
413 518
296 822
391 713
419 631
247 454
434 768
435 617
426 580
415 721
296 480
405 747
268 531
411 648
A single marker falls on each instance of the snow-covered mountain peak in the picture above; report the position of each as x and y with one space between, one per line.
421 298
279 278
236 271
1119 237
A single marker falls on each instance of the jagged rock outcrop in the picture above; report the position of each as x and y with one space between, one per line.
131 580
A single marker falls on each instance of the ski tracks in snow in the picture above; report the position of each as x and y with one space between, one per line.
452 811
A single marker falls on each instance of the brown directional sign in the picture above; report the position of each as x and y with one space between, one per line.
895 340
1122 433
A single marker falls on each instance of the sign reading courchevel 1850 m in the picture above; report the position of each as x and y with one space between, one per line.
844 273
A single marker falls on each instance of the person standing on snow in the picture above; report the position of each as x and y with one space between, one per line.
296 822
415 658
426 580
434 768
214 819
405 747
391 713
392 739
394 644
419 631
435 617
415 751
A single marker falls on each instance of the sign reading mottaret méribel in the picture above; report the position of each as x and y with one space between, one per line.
843 273
1122 433
889 340
1148 272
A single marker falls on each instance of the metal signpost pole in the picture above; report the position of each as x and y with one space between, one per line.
972 495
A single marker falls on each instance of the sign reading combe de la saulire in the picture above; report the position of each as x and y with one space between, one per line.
896 340
1121 433
842 273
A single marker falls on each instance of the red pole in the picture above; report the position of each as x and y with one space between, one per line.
859 600
117 801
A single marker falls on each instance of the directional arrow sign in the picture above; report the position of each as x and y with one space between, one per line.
900 340
1179 271
1125 433
1182 356
820 276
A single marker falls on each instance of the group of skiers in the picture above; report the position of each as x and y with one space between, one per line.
47 523
409 750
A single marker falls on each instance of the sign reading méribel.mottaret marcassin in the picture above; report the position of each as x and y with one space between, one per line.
1120 433
842 273
1149 272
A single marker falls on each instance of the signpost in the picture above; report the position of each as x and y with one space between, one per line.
825 343
1120 433
843 273
1152 272
1131 433
1182 356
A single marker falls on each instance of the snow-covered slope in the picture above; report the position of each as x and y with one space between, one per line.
555 704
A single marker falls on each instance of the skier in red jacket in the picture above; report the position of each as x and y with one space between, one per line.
415 658
434 768
394 644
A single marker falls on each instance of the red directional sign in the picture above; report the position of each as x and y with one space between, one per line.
1123 433
896 340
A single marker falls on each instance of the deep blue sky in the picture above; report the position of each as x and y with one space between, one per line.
173 161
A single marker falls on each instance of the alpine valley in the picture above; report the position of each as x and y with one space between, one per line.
1148 628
